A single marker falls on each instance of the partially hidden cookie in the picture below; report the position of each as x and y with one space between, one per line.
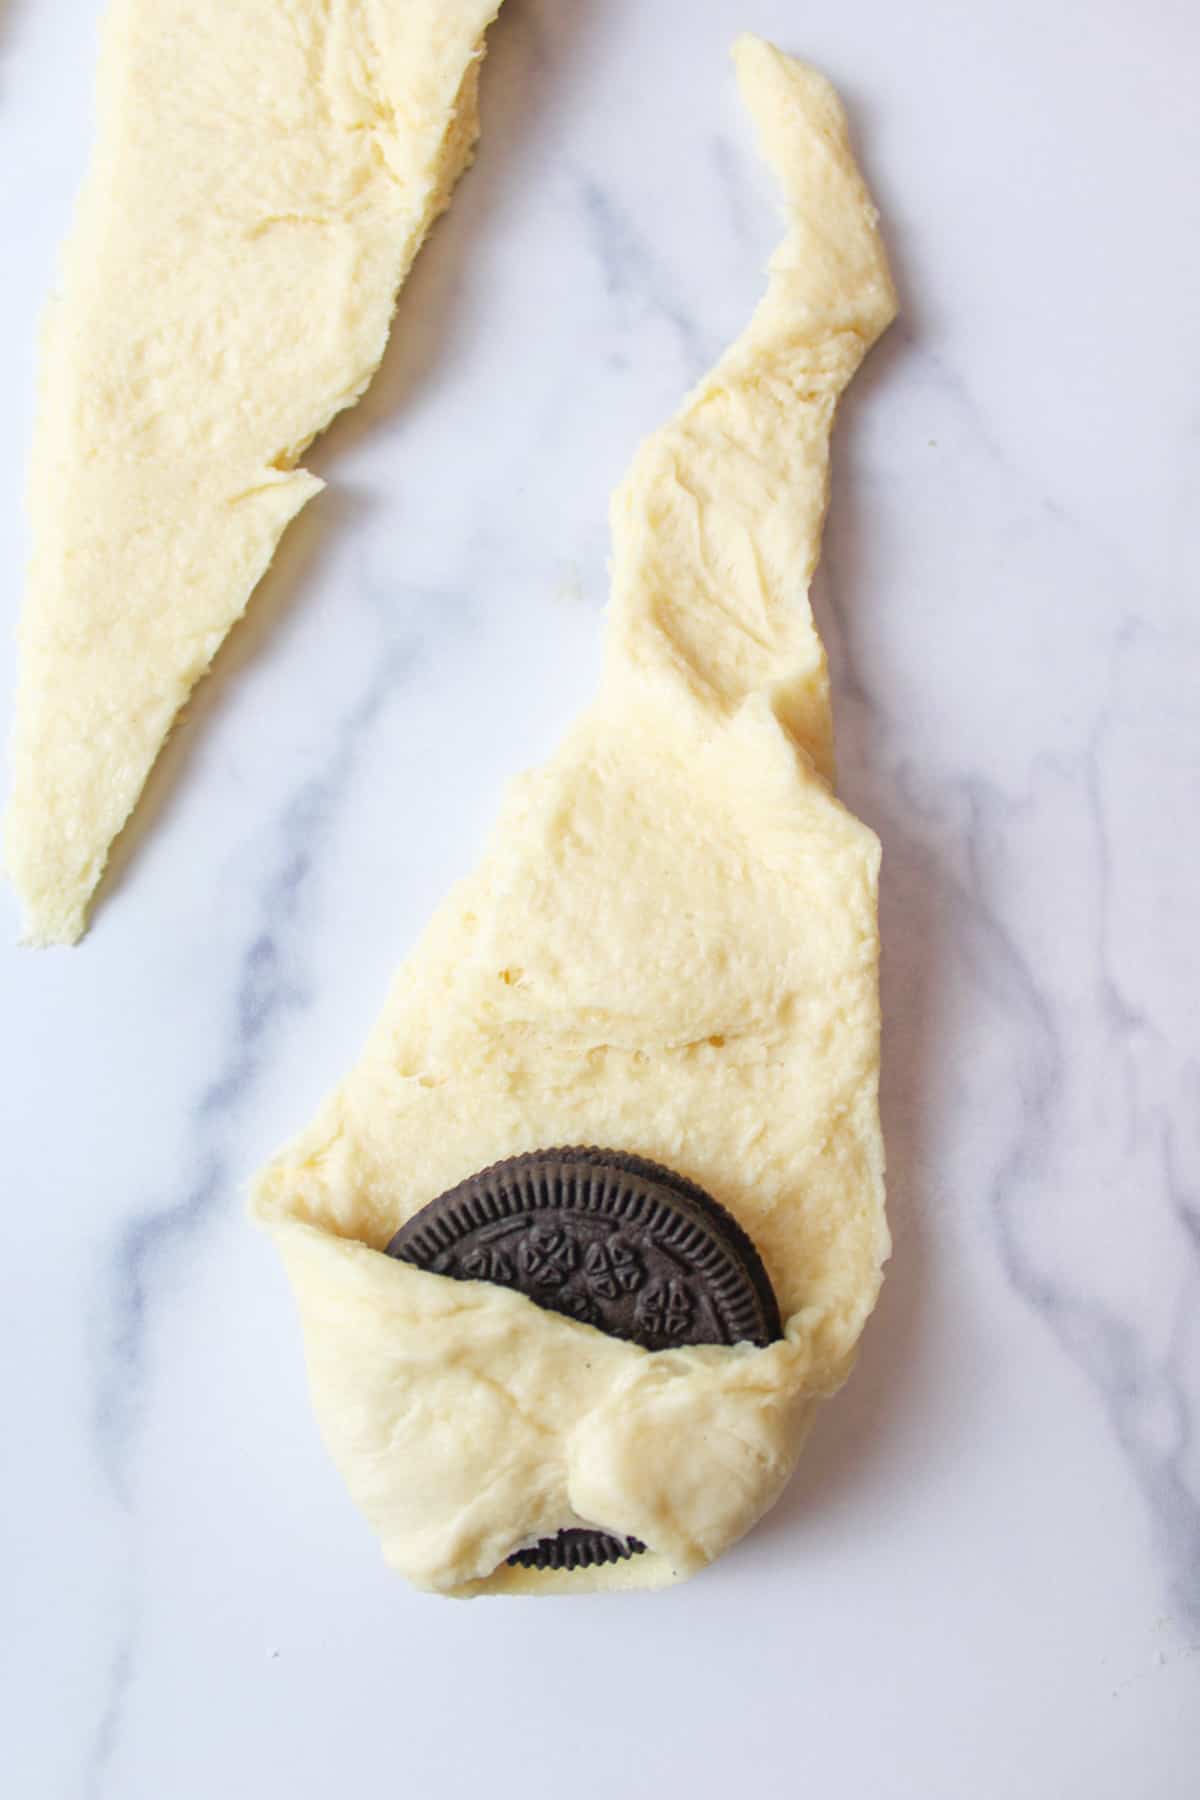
610 1239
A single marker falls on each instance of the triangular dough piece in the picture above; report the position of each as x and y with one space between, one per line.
669 947
262 178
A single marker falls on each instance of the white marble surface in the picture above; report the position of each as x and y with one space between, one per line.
985 1580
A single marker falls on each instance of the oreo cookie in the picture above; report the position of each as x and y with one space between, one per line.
610 1239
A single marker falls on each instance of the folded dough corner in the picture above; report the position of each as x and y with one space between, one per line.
669 947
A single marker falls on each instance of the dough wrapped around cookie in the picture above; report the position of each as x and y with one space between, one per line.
262 180
669 947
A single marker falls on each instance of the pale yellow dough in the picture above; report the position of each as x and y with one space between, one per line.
263 175
669 947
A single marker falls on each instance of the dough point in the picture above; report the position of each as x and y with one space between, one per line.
670 948
262 178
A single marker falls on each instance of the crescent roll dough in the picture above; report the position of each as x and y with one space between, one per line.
263 175
669 947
